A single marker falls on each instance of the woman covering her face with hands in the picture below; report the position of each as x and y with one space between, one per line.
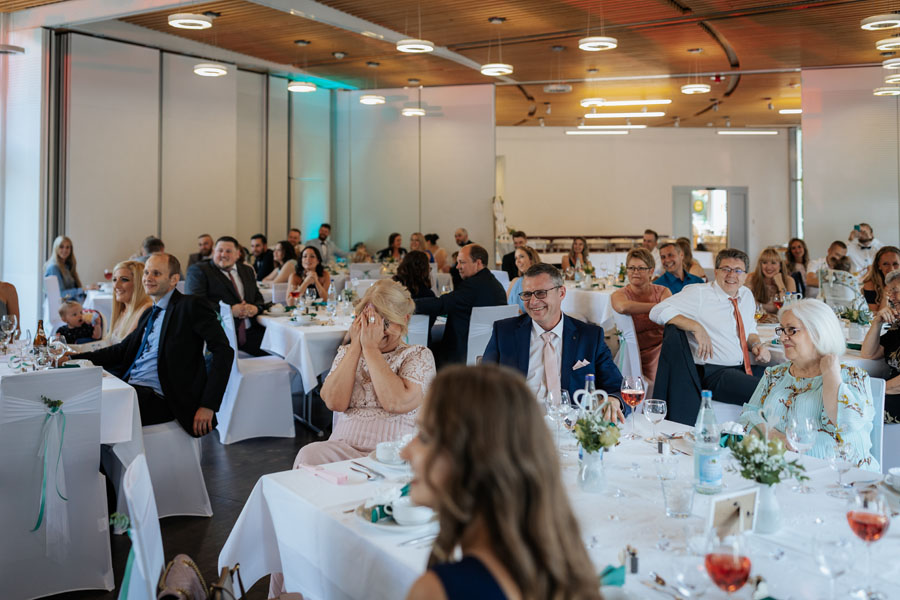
377 381
887 346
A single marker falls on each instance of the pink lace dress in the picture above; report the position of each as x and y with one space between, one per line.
365 423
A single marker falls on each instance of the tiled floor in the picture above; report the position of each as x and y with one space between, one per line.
231 472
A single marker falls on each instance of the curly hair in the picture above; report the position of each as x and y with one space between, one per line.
875 275
414 271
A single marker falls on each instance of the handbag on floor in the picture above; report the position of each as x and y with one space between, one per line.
182 580
223 589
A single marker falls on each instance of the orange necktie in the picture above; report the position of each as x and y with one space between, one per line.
743 336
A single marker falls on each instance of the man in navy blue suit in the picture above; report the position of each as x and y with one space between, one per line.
553 351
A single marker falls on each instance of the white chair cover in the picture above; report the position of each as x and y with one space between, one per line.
837 288
877 386
891 447
146 562
53 517
257 401
52 300
279 293
173 458
365 270
363 285
502 277
628 358
726 412
418 330
480 326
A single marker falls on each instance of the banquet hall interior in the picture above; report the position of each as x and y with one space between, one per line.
319 140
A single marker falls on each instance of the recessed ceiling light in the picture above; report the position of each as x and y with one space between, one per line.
790 111
748 132
582 132
190 21
880 22
596 43
624 115
371 99
413 81
339 55
887 91
695 88
496 69
415 46
301 86
413 112
373 64
891 63
588 102
210 69
891 43
612 127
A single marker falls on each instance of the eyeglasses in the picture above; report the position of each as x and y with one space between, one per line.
729 271
786 332
639 269
539 294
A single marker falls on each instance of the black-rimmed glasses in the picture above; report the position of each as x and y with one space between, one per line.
539 294
786 332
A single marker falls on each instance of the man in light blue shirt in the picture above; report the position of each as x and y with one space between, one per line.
675 277
144 371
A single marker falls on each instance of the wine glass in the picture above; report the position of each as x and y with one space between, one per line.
107 274
8 324
42 359
633 390
57 347
294 293
726 563
310 296
869 516
778 300
655 411
833 555
760 312
801 432
839 459
558 408
445 289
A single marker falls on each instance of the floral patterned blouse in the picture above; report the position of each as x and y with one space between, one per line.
782 396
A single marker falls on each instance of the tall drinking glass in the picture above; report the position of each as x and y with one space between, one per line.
801 432
558 409
839 460
655 411
834 555
633 390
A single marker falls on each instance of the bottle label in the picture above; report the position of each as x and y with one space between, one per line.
709 470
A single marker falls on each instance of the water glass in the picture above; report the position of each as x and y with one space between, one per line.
801 432
678 495
666 467
833 556
655 411
839 460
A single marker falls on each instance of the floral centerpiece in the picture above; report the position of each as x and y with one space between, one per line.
588 269
389 266
859 313
763 461
595 435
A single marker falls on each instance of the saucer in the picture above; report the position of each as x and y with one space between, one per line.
400 466
388 523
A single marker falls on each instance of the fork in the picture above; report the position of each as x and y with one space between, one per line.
375 474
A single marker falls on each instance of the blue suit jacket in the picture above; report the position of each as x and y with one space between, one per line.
511 341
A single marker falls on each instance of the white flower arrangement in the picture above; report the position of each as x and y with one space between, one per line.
763 461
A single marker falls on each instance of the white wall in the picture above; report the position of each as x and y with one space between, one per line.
850 155
310 164
277 140
251 155
556 184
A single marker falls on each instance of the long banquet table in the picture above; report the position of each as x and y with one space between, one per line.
299 524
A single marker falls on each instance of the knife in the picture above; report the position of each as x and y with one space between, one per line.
369 469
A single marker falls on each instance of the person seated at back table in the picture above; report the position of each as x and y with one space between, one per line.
887 346
815 385
721 330
691 264
285 260
414 273
886 260
204 249
836 251
62 265
309 274
395 250
477 287
578 257
508 264
770 282
360 254
377 382
675 277
526 257
797 258
552 350
637 299
263 258
440 255
485 462
226 279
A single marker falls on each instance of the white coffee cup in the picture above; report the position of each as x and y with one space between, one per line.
406 513
388 452
893 478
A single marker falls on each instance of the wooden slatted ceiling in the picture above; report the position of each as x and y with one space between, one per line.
14 5
653 35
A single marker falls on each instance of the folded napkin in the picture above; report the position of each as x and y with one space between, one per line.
731 431
384 495
612 576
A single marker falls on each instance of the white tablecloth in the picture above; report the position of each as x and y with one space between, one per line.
101 302
295 523
308 348
592 306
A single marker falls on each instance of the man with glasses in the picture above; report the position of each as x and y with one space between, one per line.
718 318
552 350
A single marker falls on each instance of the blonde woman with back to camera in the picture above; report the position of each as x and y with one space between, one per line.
377 381
129 299
489 470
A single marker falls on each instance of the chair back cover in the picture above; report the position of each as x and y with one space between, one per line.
629 357
279 293
418 330
480 326
877 386
146 538
502 277
228 325
52 300
365 270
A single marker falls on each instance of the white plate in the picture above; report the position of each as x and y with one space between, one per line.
403 466
387 524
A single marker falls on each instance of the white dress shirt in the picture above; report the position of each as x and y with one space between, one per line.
236 277
710 306
861 258
327 249
658 269
535 378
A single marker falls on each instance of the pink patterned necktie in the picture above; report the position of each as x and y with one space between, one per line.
551 369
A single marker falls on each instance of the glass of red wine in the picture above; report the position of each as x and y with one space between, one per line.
633 390
778 300
294 293
727 564
869 517
107 274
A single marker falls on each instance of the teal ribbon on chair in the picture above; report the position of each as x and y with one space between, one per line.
121 522
55 411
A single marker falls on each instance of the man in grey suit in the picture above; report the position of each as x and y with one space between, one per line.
325 246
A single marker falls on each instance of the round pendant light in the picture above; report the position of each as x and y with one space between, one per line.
210 69
190 21
891 63
695 88
887 91
371 99
596 43
301 86
878 22
892 79
496 69
413 112
415 46
887 44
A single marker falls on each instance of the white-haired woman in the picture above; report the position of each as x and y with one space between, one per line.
887 346
814 384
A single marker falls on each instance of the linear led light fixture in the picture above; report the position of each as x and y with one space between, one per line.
612 127
589 102
790 111
624 115
748 132
606 132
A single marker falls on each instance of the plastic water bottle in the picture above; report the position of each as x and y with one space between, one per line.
707 452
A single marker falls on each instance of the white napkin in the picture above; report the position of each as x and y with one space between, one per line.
384 494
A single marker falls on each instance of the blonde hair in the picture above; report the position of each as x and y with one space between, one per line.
757 285
505 475
641 254
67 266
391 300
124 315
